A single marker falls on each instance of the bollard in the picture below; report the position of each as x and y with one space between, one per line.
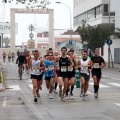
77 79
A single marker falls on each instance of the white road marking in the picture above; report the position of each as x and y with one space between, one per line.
101 85
14 87
115 84
117 104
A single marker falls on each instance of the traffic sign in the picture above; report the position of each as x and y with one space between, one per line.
109 42
58 43
70 42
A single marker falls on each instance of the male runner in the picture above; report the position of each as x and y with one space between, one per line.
71 75
97 64
36 74
28 58
84 72
64 62
49 74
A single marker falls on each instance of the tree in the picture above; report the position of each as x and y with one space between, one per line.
6 40
95 36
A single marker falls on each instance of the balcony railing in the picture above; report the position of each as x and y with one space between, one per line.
107 14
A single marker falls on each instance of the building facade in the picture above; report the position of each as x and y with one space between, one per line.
96 12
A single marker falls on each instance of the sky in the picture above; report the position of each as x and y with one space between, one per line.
61 18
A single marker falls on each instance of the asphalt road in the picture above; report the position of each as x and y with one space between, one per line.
16 102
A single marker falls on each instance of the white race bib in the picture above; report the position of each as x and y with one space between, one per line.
96 65
63 69
85 67
51 67
35 70
70 69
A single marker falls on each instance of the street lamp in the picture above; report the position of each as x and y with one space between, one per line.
70 18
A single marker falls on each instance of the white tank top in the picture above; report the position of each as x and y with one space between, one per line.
84 66
35 66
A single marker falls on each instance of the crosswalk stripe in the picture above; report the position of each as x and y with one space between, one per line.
115 84
101 85
14 87
117 104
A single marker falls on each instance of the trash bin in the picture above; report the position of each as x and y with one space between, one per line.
77 79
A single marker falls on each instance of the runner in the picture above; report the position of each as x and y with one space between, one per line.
9 57
84 73
55 73
49 74
80 57
71 76
97 64
28 58
4 56
36 74
64 62
39 82
13 56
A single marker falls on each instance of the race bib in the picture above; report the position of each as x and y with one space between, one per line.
35 70
96 65
51 67
63 69
70 69
84 67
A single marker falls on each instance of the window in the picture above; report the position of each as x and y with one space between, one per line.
106 8
44 47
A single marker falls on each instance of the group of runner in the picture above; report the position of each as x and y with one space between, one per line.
11 56
60 70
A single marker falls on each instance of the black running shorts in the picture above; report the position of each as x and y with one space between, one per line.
87 77
37 77
97 74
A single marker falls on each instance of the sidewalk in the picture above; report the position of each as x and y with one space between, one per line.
111 73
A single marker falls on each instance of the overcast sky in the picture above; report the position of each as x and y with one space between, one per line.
61 18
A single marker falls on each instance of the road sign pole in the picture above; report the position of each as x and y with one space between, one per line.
109 56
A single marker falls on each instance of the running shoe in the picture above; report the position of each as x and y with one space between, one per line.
50 96
60 93
35 99
71 96
86 94
63 99
81 93
83 96
96 95
55 91
38 94
67 97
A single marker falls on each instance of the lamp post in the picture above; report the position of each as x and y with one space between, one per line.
70 18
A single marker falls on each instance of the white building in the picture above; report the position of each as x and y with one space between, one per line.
96 12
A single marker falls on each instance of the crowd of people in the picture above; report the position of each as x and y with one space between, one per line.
58 70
